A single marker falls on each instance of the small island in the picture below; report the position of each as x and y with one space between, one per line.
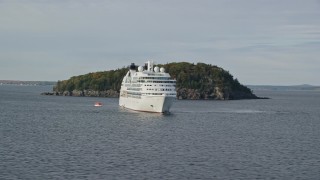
194 81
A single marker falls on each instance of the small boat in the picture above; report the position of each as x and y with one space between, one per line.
98 104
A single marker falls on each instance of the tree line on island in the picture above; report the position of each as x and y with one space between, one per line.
194 81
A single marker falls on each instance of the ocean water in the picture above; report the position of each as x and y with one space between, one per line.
49 137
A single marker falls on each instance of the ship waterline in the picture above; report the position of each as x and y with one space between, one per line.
160 104
148 89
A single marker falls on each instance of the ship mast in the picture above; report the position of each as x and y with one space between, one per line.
150 65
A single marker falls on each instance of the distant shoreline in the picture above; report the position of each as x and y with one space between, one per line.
27 83
284 88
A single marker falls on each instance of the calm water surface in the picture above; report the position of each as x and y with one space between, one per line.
48 137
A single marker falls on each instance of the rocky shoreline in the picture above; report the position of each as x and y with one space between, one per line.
182 93
213 94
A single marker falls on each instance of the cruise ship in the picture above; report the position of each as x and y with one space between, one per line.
147 88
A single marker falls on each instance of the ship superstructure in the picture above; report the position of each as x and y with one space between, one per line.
149 89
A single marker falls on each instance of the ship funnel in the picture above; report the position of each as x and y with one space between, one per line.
132 66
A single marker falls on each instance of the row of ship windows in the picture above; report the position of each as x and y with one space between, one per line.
139 96
173 94
139 89
139 85
166 78
161 89
143 81
155 74
167 85
160 85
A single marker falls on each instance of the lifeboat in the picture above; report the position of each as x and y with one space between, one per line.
98 104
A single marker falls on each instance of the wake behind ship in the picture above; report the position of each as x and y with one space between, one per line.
148 89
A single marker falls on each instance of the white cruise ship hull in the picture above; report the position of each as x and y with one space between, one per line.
150 89
160 104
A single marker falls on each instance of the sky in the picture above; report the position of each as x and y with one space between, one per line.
260 42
